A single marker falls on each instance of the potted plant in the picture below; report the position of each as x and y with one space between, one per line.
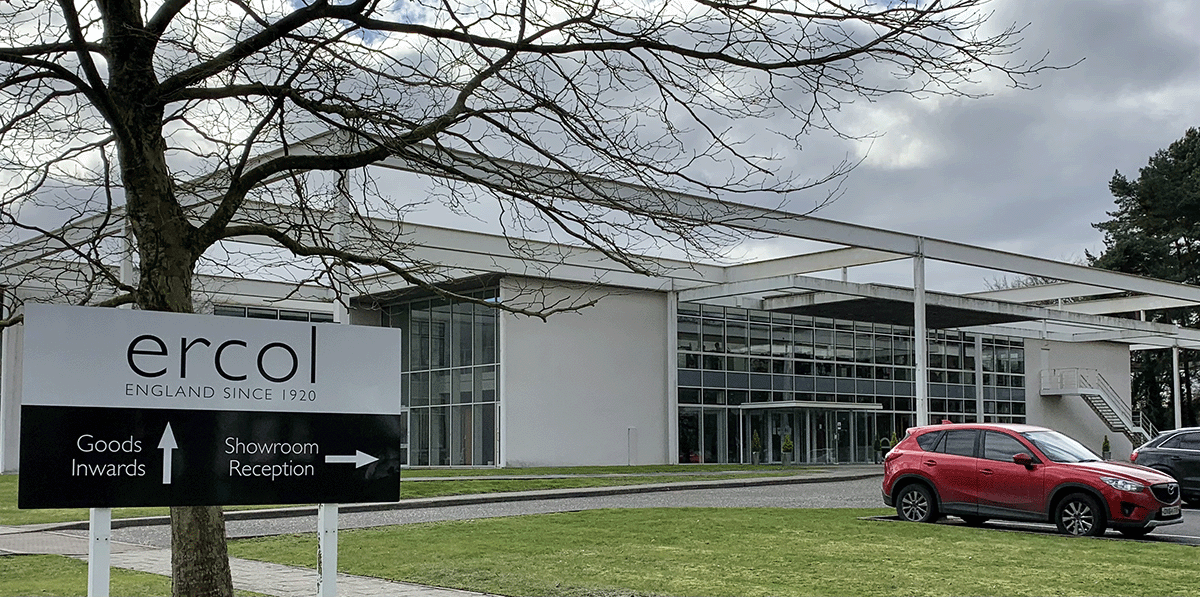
755 448
1106 449
788 446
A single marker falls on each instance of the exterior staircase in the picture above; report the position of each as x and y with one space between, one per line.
1103 399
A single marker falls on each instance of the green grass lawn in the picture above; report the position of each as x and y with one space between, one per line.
455 482
690 551
60 575
66 577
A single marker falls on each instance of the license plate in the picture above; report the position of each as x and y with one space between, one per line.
1170 511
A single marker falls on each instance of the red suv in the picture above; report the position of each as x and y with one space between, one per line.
1021 472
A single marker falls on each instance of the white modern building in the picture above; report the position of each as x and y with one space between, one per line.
719 363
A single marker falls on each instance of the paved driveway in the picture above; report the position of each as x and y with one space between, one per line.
862 493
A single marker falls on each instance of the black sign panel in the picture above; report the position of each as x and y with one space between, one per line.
111 457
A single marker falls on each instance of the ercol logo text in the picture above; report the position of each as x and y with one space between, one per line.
258 364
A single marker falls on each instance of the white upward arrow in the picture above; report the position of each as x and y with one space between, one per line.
359 459
166 444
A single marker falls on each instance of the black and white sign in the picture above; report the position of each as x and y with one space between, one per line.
136 408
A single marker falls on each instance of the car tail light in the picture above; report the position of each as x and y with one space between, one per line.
1133 456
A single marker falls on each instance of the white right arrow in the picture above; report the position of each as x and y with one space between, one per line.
166 444
359 459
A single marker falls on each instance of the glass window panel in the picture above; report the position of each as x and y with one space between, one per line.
714 396
781 340
286 315
737 363
803 367
802 343
689 395
486 417
462 435
760 365
229 311
781 366
439 335
689 435
462 322
261 313
843 339
485 384
902 351
439 436
689 360
418 334
689 333
463 386
418 439
736 337
439 391
418 388
760 339
486 334
736 397
713 336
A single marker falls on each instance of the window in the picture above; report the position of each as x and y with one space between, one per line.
1001 446
929 441
268 313
960 442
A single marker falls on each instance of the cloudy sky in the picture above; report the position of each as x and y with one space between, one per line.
1020 170
1028 170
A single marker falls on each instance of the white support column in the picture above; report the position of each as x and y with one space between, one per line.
1176 399
920 335
99 558
327 539
672 377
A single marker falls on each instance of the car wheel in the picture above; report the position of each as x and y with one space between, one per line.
1135 533
1079 514
974 520
915 504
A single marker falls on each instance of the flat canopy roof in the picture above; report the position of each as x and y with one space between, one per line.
1082 304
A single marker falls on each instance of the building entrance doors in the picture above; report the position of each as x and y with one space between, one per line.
818 436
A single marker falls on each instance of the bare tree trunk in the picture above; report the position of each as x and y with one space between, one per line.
199 559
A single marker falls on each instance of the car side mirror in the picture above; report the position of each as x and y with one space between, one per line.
1024 460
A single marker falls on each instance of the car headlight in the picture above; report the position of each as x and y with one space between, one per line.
1122 484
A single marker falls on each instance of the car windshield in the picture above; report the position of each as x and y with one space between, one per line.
1060 448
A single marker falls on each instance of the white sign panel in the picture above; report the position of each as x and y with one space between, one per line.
86 356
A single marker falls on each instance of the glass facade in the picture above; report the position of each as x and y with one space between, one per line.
449 385
831 387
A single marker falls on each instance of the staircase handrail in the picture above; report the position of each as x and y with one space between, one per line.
1079 377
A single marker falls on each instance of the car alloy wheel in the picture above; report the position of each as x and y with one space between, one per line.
915 504
1078 514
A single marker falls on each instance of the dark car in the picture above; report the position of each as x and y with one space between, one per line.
1176 453
1021 472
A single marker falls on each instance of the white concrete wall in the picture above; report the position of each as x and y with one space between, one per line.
1070 414
10 399
572 387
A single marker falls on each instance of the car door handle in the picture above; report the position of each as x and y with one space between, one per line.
930 463
986 471
1176 458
